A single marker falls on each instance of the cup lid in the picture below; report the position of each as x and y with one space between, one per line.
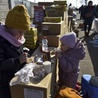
46 63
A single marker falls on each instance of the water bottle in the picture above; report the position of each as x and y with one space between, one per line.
44 44
45 50
35 58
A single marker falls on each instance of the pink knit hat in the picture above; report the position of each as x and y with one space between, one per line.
69 39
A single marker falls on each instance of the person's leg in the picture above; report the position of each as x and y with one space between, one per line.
85 27
89 28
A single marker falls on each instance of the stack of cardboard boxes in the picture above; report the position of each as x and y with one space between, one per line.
31 38
55 22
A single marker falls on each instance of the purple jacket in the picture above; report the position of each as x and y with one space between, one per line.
69 65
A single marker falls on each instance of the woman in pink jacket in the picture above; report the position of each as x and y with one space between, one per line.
72 51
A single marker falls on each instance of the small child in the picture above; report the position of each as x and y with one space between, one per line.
72 51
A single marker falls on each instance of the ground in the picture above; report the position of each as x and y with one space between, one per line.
89 65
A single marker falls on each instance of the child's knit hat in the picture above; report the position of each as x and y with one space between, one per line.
18 17
69 39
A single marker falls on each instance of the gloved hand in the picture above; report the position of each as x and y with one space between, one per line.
23 57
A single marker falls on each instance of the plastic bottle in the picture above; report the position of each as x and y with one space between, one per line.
44 44
45 50
35 58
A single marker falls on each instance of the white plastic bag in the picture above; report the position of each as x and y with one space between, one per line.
24 74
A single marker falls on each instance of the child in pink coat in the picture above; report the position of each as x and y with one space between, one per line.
72 51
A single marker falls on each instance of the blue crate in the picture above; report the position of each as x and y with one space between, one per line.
87 89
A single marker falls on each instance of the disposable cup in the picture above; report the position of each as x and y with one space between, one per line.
47 66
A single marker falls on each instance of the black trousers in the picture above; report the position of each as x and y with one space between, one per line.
87 26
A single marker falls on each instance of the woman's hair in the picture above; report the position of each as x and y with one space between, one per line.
90 2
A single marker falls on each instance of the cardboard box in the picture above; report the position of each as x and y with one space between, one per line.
60 2
52 19
58 13
45 3
53 40
53 28
32 90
